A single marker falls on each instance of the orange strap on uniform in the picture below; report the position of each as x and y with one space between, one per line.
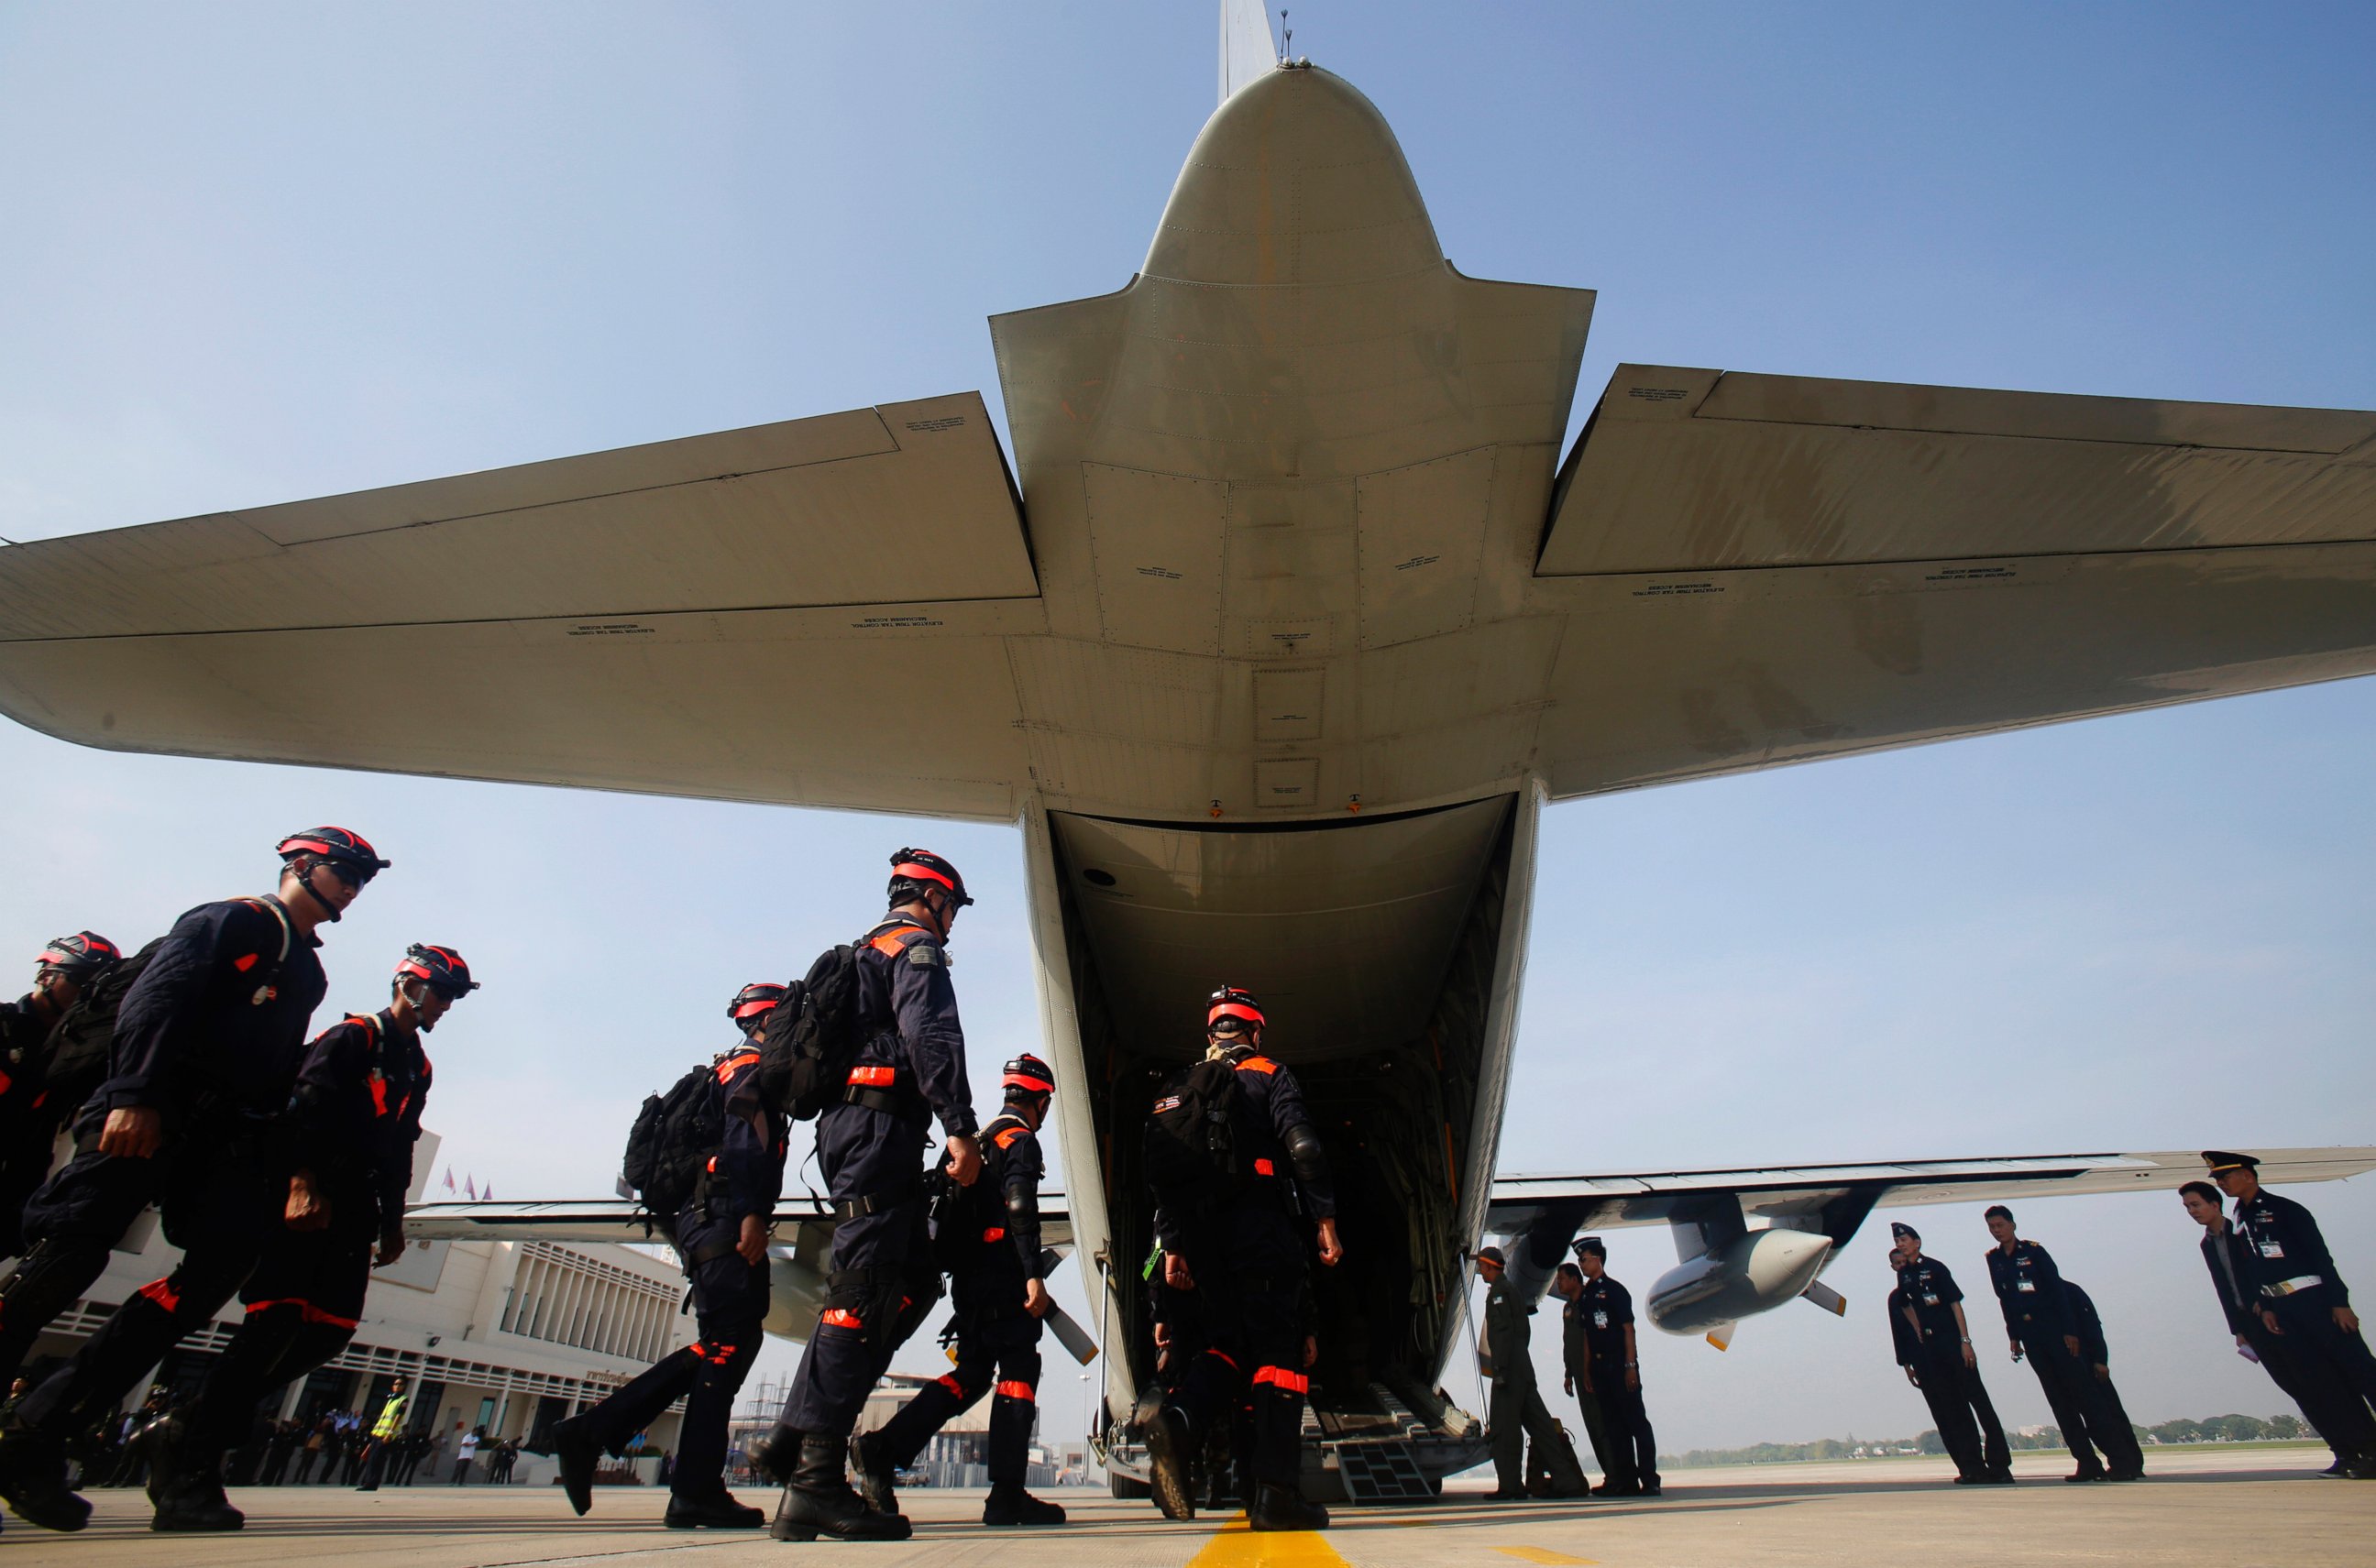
873 1078
995 1233
1012 1390
836 1317
1291 1382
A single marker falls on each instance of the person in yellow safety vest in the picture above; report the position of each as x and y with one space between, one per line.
384 1435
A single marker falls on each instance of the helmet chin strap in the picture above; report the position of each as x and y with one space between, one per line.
306 881
412 990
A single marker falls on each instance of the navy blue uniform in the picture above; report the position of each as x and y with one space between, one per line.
29 1126
1922 1323
993 1258
1248 1258
2108 1418
729 1296
2338 1418
2038 1318
1604 1307
355 1115
871 1148
2296 1280
210 1036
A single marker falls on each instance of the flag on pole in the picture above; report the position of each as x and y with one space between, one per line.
467 1191
487 1193
449 1178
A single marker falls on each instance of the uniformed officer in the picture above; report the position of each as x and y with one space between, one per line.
2342 1421
207 1047
2126 1458
722 1241
1606 1308
1243 1258
870 1148
30 1114
355 1115
990 1238
2302 1298
1516 1414
2039 1325
1934 1346
1576 1363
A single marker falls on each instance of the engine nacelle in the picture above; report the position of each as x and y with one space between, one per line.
1750 1274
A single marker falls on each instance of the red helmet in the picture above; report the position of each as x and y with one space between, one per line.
349 853
440 968
913 871
79 957
1234 1002
755 1001
1027 1075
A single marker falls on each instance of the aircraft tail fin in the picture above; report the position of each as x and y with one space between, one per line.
1247 48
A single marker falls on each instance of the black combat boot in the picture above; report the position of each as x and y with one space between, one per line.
873 1472
717 1511
1008 1503
1282 1508
1169 1445
34 1480
574 1446
777 1454
820 1502
186 1482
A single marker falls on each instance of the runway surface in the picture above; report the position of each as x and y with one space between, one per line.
2222 1508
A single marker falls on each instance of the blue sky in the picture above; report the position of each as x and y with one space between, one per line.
256 253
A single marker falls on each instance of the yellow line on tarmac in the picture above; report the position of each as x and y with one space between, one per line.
1541 1554
1238 1547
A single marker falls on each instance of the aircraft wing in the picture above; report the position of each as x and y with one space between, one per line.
732 615
1762 569
1808 1196
803 1225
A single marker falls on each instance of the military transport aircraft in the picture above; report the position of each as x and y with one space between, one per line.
1289 617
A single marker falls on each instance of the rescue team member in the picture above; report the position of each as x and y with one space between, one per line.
2126 1458
722 1239
1606 1308
2038 1324
1243 1259
1934 1346
30 1114
2341 1421
1516 1414
1576 1361
207 1043
990 1238
2302 1299
354 1117
870 1148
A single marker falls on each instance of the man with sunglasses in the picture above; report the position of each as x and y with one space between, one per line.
32 1107
1241 1254
354 1117
207 1048
870 1145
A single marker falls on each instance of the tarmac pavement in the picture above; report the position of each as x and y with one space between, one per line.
2221 1508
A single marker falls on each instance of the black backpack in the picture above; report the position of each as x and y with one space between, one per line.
1202 1138
669 1149
811 1038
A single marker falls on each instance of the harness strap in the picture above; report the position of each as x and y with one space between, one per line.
873 1203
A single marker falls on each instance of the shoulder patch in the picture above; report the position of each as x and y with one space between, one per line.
1262 1065
923 955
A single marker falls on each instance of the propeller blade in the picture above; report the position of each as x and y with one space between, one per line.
1824 1296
